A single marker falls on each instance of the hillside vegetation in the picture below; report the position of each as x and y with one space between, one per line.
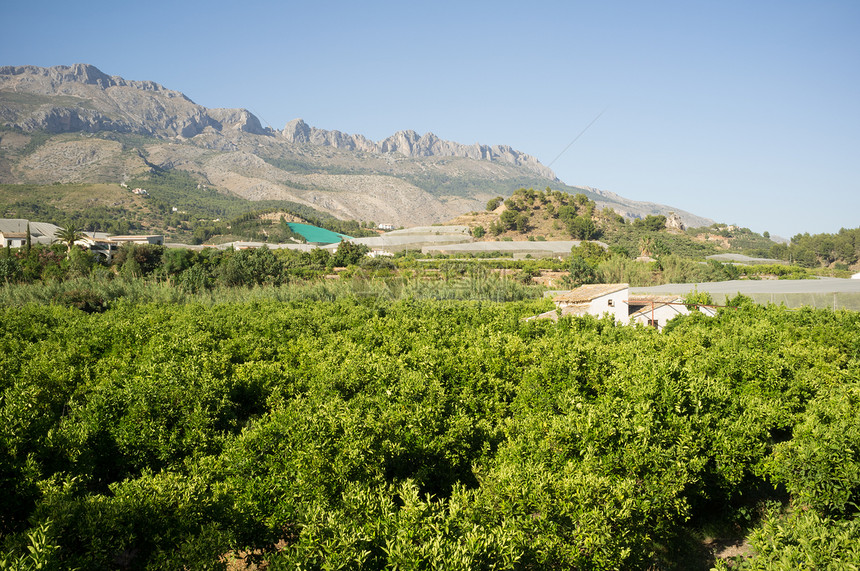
177 205
549 214
556 215
840 250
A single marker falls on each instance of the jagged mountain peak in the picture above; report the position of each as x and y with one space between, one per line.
412 144
229 149
59 78
111 103
88 100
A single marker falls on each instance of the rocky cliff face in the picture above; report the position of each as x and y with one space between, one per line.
81 98
411 144
77 98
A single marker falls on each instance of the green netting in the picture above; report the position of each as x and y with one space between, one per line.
316 234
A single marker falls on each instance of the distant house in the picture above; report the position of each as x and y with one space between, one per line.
13 239
142 239
380 253
98 243
615 300
595 299
386 227
13 232
654 310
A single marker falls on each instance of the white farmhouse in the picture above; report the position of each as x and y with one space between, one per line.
596 299
615 300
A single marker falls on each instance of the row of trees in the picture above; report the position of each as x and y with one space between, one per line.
193 270
841 249
591 264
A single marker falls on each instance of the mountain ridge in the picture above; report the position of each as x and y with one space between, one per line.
78 124
60 119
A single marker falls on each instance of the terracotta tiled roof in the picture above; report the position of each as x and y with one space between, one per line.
587 293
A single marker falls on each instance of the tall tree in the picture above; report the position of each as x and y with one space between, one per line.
69 236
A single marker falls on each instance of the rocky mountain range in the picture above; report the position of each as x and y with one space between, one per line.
78 124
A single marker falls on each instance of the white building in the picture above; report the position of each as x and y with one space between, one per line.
98 243
13 239
141 239
13 232
657 310
615 300
596 299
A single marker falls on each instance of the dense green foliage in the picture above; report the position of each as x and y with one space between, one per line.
841 249
739 239
366 433
526 207
194 271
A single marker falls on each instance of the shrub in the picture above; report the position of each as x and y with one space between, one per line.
84 299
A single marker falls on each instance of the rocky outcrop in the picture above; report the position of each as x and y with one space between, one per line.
54 80
299 132
81 98
238 120
674 222
65 120
411 144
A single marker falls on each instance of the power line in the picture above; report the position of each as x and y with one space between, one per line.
593 121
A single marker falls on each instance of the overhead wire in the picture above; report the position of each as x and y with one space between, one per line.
581 133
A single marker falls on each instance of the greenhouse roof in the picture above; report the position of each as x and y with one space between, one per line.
315 234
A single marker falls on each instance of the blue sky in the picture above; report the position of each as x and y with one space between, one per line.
747 112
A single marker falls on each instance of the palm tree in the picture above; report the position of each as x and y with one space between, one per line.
69 236
645 245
